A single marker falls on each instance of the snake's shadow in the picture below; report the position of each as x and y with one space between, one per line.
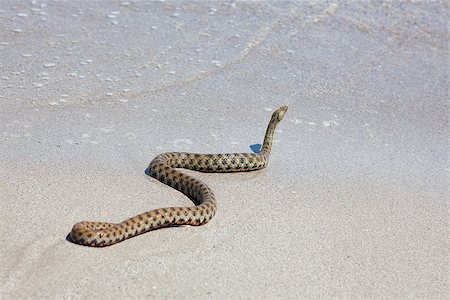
69 238
256 148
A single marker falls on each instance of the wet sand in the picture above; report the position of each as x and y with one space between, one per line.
353 204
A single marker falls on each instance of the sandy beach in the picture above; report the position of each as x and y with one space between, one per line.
353 204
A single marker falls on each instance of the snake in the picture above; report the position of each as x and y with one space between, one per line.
164 167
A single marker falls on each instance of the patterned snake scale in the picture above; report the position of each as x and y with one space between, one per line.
163 167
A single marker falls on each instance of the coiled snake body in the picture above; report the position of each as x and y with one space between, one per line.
163 167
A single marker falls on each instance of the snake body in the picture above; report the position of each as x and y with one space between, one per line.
164 168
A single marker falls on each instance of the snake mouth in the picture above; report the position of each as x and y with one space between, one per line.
279 113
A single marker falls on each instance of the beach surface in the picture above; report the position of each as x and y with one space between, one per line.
353 204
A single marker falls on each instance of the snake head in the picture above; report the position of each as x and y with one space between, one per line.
278 115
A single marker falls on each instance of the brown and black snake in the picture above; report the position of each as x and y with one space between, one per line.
164 168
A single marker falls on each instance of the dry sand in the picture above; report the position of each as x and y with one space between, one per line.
354 202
